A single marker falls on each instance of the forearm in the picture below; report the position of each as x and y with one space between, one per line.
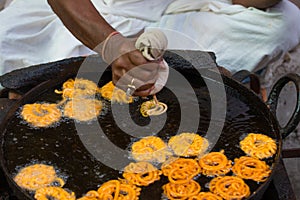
83 20
261 4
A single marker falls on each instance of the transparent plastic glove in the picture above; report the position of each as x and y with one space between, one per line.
153 44
129 66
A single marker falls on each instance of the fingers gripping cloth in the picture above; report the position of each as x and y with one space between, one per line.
152 45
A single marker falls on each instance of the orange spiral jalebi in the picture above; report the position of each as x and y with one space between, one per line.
37 176
251 168
181 191
41 115
205 196
141 173
78 88
114 94
258 146
53 193
229 187
91 195
188 144
116 189
215 164
180 170
150 108
83 109
150 149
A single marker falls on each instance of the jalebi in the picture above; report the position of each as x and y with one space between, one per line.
37 176
205 196
114 94
116 189
181 191
180 170
188 144
258 146
150 108
141 173
53 193
78 88
91 195
215 164
229 187
41 115
150 149
251 168
83 109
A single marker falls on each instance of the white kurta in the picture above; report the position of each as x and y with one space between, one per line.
30 33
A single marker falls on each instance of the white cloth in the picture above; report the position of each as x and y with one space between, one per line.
30 33
241 38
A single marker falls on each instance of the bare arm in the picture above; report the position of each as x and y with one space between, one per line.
296 2
83 20
261 4
88 26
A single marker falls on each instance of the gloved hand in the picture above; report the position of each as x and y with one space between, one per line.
129 66
153 44
146 52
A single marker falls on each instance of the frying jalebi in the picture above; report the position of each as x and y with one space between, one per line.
114 94
41 115
215 164
181 191
229 187
91 195
141 173
150 149
180 170
83 109
150 108
251 168
205 196
188 144
53 193
37 176
78 88
258 146
116 189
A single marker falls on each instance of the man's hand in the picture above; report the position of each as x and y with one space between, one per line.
129 66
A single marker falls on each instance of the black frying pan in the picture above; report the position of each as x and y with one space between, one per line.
61 146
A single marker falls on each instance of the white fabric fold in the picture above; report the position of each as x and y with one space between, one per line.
241 38
180 6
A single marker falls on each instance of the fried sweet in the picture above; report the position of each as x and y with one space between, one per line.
91 195
53 193
181 191
150 108
251 168
205 196
83 109
116 189
78 88
150 149
114 94
229 187
215 164
41 115
188 144
258 146
37 176
141 173
180 170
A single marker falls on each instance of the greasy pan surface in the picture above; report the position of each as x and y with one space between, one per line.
61 146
